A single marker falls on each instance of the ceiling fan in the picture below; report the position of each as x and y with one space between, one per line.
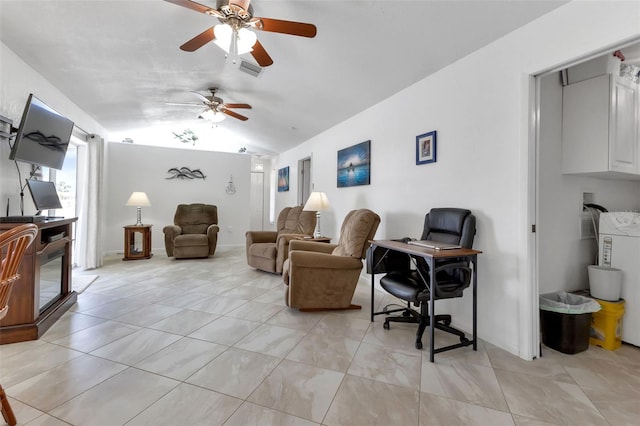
233 34
215 107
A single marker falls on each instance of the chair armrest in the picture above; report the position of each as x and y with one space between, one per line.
261 237
315 260
212 230
311 246
172 231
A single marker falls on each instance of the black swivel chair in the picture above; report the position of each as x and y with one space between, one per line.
446 225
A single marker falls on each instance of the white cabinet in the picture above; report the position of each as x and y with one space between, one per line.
600 128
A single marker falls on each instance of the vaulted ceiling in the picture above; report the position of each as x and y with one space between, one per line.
119 60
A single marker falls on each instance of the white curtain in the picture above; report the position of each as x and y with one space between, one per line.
89 228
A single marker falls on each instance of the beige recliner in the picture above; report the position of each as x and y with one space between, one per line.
320 276
194 233
267 250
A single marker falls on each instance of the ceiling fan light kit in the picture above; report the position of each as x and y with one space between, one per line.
212 116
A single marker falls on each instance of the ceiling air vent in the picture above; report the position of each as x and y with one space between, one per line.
251 69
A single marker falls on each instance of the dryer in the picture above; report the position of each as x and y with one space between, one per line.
619 247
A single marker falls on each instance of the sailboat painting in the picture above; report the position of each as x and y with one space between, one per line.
354 165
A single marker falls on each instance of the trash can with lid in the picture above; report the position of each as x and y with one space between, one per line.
565 321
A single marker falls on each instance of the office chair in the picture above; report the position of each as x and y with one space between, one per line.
452 276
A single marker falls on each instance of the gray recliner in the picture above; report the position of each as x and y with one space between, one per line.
194 232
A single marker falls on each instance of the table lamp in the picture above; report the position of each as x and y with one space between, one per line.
317 201
138 200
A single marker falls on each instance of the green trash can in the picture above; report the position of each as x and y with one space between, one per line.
565 321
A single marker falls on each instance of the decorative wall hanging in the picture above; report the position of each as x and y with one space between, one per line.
283 179
354 165
185 173
426 148
186 137
231 188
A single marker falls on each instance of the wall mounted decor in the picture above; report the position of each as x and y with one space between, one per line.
187 136
283 179
231 188
426 148
354 165
185 173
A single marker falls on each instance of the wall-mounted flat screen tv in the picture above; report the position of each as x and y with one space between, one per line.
44 194
43 135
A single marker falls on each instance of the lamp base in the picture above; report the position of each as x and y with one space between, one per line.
316 232
139 217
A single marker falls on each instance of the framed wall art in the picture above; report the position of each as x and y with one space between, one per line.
426 148
283 179
354 165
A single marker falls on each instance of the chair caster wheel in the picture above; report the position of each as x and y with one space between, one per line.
406 314
418 344
463 339
385 325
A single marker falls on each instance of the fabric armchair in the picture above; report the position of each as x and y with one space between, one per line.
194 232
322 276
267 250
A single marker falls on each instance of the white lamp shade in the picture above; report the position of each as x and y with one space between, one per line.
138 199
223 34
246 40
213 116
317 201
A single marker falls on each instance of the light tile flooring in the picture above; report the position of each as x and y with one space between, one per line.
210 342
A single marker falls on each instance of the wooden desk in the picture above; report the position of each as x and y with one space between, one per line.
430 255
132 250
43 293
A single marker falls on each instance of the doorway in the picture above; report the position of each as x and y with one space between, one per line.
257 201
304 177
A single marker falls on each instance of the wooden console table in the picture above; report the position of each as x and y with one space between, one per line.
43 292
133 250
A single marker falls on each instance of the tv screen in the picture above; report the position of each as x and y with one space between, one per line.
44 194
43 136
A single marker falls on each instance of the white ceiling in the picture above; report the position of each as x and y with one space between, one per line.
119 60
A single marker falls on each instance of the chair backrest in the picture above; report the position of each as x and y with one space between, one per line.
13 244
450 225
195 218
453 226
358 229
294 220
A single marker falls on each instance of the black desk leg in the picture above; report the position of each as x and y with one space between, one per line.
432 307
372 293
474 261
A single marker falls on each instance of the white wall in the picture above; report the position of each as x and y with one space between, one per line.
17 80
563 256
479 106
132 168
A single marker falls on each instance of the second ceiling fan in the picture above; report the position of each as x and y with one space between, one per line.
215 107
233 34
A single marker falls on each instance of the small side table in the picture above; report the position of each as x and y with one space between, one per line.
137 246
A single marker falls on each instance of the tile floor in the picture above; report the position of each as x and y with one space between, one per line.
210 342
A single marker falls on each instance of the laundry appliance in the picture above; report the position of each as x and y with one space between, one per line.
619 247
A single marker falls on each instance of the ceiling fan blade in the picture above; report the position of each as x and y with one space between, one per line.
261 55
246 106
286 27
234 115
191 5
198 41
182 104
202 97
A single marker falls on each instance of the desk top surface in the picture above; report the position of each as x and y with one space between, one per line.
423 251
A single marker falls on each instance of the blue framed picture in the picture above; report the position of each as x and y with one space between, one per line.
426 145
283 179
354 165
